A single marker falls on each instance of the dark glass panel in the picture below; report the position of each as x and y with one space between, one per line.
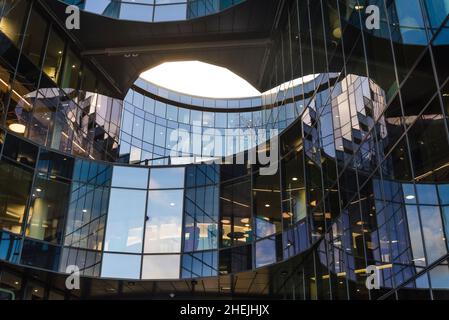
34 38
429 145
267 204
55 165
235 207
71 74
48 209
294 206
235 260
12 18
54 55
15 185
40 255
20 151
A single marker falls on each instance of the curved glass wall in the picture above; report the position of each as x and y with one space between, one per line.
157 122
154 10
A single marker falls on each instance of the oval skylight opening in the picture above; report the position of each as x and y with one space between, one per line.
200 79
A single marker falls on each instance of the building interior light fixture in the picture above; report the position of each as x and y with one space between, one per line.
17 128
287 215
410 197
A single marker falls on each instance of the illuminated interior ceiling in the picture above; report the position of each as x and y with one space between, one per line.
200 79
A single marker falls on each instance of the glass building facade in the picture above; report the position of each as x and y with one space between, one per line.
89 177
154 10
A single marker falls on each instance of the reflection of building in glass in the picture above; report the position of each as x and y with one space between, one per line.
154 10
86 176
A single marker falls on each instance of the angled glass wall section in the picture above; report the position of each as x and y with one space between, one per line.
201 208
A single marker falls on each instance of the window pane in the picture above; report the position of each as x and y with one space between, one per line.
71 71
167 178
123 266
265 252
136 12
35 38
11 24
48 209
40 255
434 238
439 277
164 224
170 12
20 151
125 220
15 184
161 267
128 177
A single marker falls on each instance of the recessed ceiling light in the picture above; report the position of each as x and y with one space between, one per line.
38 189
245 220
410 197
295 179
17 128
267 205
84 210
172 204
226 221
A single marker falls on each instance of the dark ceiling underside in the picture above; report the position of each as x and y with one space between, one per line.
238 39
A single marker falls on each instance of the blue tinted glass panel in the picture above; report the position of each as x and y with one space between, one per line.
265 252
121 266
164 223
128 177
167 178
124 229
